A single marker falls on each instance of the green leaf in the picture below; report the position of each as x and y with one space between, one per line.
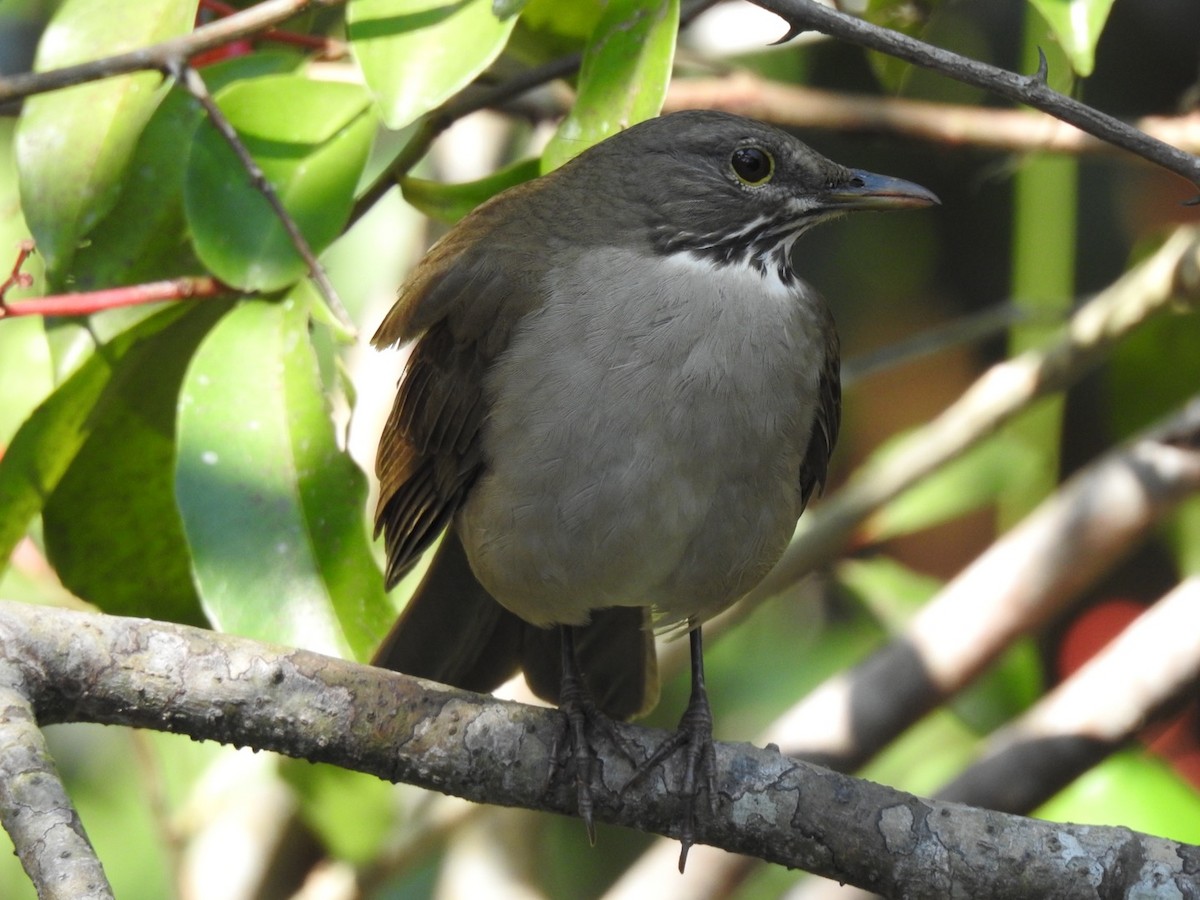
905 17
311 140
450 202
144 237
112 529
1078 25
624 76
48 441
415 54
272 508
74 146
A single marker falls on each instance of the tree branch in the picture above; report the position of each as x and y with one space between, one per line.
1031 90
162 56
34 807
83 667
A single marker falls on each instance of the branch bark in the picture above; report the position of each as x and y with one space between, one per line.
82 667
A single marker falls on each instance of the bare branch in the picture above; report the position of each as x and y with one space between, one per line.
164 56
1148 667
1031 90
34 807
85 667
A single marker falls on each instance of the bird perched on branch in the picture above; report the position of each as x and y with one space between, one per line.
620 399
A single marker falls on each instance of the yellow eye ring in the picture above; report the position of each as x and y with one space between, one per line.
752 165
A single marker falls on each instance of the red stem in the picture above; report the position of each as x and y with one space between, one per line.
82 304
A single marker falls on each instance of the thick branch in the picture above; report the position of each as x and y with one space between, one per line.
82 667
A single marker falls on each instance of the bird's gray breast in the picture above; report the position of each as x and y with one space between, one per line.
644 436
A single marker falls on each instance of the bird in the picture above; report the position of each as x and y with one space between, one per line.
619 399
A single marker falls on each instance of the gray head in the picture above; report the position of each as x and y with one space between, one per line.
726 188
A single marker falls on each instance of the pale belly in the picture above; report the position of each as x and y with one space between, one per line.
656 467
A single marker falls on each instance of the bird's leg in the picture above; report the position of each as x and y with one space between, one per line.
695 736
577 707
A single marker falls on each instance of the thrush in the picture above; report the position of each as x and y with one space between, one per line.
620 399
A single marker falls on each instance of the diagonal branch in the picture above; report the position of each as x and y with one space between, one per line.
1031 90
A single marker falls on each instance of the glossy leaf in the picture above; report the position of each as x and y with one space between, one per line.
415 54
311 140
624 76
112 529
144 237
450 202
272 508
1078 25
74 146
47 443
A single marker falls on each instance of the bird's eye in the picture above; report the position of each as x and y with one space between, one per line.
752 165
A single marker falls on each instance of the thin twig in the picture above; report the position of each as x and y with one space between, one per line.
16 278
163 56
194 84
87 302
955 333
1031 90
326 47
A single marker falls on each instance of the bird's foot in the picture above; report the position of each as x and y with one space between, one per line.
582 717
694 737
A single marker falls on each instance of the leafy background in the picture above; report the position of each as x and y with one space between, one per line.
204 462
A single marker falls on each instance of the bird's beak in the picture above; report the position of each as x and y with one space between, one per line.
866 190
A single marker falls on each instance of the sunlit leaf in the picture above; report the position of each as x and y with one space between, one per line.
273 510
624 77
311 140
450 202
1078 25
415 54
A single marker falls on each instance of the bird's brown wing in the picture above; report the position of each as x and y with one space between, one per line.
461 305
429 453
815 465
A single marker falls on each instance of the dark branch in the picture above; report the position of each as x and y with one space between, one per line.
1031 90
